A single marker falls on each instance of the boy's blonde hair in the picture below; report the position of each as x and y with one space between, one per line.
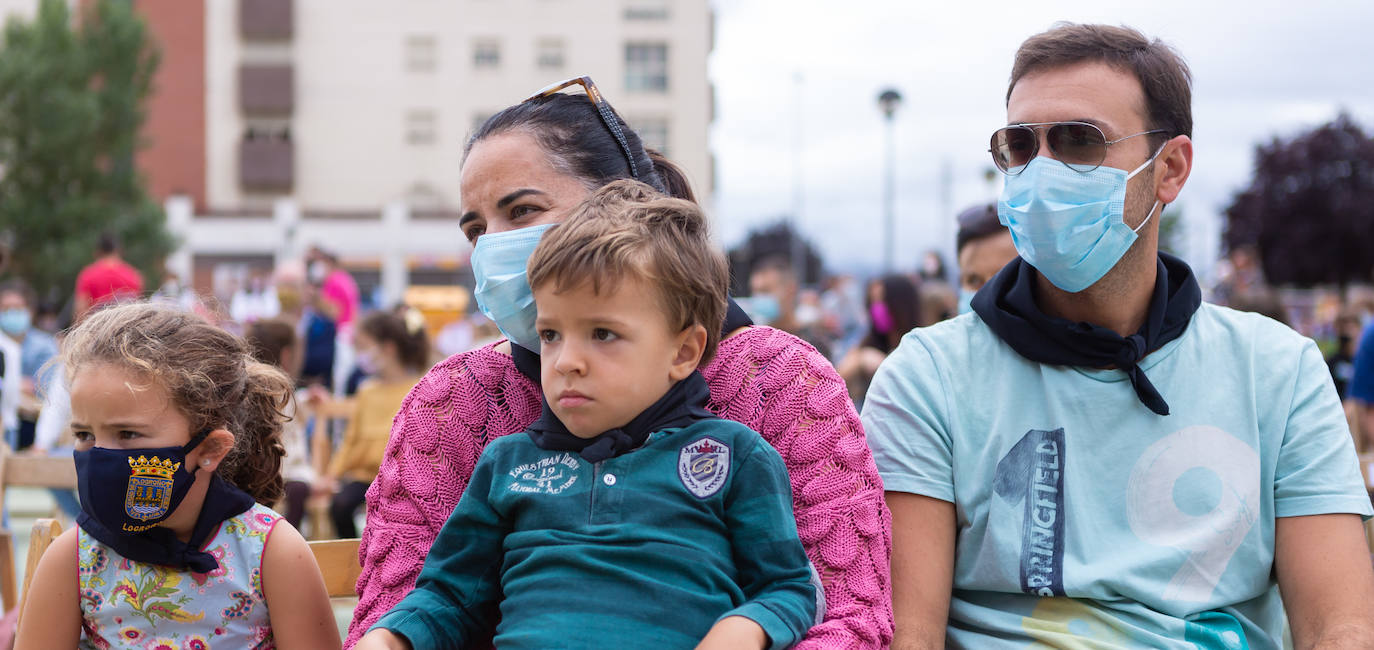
626 229
209 374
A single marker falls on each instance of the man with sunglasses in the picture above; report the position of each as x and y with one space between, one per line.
1145 470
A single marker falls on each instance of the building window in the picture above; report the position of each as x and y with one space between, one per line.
646 10
646 67
422 127
550 56
653 132
422 53
486 54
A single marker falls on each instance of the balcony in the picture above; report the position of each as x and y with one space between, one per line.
266 89
265 20
266 162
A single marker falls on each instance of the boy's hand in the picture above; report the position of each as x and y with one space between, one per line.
730 633
382 640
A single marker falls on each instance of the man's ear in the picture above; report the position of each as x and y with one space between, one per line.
1172 167
691 342
211 451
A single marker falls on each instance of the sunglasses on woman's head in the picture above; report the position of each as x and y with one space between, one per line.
608 116
1079 145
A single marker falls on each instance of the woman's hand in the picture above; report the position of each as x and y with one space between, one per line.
382 640
324 486
731 633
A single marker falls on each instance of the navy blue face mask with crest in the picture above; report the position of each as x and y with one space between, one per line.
127 493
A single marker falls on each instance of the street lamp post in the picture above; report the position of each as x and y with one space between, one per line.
888 102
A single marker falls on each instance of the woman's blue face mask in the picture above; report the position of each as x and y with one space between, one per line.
502 289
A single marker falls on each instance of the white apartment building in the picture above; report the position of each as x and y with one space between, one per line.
342 122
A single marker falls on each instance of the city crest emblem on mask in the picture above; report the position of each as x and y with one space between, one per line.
703 466
150 488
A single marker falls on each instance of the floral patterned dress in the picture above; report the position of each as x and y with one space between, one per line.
128 604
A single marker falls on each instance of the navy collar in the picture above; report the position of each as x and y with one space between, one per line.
1007 304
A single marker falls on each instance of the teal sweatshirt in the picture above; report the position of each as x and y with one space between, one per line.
647 549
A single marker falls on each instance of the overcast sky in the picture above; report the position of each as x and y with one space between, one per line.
1260 69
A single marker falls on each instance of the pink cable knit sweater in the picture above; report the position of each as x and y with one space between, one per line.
762 377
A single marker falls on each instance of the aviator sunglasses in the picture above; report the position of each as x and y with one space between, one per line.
1079 145
608 116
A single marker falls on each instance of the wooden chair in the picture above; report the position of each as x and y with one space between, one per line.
27 471
336 413
338 560
44 532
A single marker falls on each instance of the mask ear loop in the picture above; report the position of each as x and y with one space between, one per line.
1147 163
195 442
1136 229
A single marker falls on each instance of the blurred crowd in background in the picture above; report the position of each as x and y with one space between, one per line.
355 360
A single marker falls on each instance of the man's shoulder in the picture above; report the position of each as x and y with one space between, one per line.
1222 329
953 340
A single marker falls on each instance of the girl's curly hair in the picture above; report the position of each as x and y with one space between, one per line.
209 374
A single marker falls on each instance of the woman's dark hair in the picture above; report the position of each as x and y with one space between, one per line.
267 338
903 303
407 334
207 372
579 144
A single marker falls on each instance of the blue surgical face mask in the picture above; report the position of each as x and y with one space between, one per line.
965 300
503 290
15 321
763 308
1069 224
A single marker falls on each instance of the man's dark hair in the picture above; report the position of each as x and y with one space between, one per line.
976 223
108 243
22 288
1164 78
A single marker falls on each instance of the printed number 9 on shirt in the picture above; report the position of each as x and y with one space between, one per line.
1196 490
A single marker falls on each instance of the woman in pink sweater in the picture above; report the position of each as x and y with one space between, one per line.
528 166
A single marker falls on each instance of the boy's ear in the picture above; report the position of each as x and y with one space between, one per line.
690 344
208 454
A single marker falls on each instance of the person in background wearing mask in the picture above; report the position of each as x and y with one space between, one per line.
338 293
36 348
774 291
983 246
394 352
894 307
1100 458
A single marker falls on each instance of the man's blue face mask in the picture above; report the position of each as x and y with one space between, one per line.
1069 224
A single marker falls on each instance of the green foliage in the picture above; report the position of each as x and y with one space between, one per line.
71 105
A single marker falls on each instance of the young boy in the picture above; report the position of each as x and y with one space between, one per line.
627 515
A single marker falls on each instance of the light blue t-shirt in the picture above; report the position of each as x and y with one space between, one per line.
1084 519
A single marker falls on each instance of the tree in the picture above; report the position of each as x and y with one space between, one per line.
1309 211
773 241
71 106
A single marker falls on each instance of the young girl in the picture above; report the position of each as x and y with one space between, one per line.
393 351
177 435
